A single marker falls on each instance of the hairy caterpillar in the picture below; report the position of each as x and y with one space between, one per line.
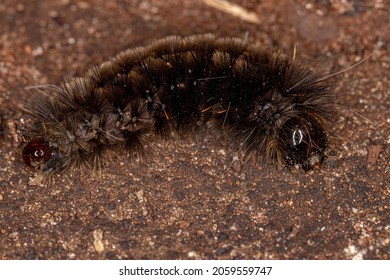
258 100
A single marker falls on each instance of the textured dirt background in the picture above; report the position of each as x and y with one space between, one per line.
186 201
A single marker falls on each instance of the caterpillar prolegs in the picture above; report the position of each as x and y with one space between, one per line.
259 101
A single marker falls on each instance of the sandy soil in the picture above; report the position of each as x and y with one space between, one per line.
186 202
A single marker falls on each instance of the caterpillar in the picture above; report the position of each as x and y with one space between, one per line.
257 100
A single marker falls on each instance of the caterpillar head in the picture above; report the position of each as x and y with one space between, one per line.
40 155
304 142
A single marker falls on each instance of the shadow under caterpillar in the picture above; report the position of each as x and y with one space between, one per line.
259 101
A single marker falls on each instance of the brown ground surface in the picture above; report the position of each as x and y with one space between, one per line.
185 202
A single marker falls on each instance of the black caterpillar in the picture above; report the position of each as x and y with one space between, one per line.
259 101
